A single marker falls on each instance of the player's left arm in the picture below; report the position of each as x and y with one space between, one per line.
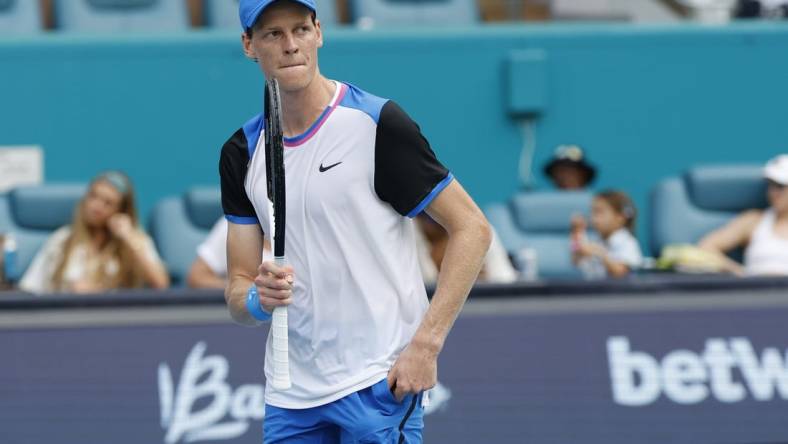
469 239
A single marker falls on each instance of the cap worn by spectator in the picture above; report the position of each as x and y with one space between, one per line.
777 169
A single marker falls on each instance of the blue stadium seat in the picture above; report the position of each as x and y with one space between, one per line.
32 213
541 220
122 15
5 215
20 17
414 12
683 209
223 14
179 224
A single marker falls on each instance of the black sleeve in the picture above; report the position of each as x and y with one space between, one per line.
407 173
233 164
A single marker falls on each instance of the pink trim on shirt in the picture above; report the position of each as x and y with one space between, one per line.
302 139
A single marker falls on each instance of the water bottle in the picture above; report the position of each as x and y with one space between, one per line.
529 264
9 258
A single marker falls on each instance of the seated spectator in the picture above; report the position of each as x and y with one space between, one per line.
209 269
103 248
762 9
431 242
568 170
613 218
763 233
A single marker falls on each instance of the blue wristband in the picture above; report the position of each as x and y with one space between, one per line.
254 307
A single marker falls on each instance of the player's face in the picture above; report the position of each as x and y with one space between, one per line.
778 196
101 202
285 41
604 218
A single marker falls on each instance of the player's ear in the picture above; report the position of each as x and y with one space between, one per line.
246 42
319 31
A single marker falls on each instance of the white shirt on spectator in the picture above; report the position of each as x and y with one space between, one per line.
623 247
497 267
39 275
213 250
767 253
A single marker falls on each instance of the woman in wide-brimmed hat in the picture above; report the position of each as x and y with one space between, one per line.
568 169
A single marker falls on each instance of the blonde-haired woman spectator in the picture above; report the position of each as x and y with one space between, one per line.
763 233
102 249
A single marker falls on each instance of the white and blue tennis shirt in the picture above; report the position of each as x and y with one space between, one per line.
351 180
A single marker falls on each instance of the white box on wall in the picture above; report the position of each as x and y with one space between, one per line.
20 165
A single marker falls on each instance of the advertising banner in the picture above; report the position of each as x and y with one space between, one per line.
700 375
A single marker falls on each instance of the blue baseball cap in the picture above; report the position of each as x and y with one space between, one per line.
250 10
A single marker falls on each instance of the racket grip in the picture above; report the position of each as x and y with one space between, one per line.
281 380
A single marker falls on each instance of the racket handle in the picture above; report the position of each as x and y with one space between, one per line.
281 380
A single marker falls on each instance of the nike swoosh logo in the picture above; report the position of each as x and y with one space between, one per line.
324 169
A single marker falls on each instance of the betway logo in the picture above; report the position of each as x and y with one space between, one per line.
686 377
229 411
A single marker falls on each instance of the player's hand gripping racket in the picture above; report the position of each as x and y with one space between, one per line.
275 166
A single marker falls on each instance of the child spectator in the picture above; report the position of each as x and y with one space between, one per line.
613 218
102 249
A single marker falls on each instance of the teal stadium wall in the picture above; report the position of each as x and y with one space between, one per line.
645 101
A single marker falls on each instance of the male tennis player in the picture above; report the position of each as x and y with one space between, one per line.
364 340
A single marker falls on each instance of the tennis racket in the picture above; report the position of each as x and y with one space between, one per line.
275 168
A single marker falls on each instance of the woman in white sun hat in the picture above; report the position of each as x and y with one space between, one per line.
763 233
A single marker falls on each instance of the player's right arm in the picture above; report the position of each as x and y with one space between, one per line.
245 241
244 235
244 253
274 284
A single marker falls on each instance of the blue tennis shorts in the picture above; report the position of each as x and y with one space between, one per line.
371 415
